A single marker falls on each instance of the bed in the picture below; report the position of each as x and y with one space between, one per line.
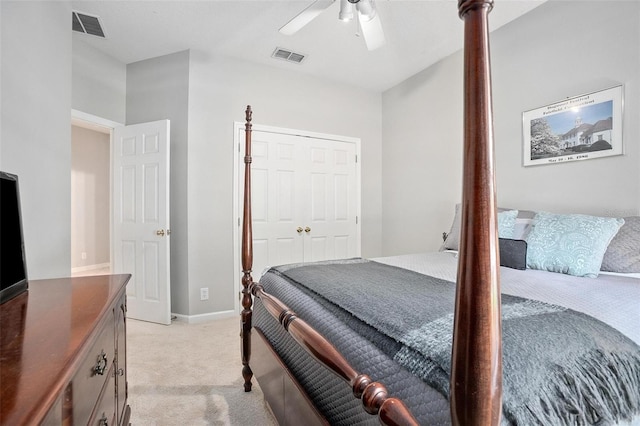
457 336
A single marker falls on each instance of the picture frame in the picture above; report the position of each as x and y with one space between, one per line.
579 128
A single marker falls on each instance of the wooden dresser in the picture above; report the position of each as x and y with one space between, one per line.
63 353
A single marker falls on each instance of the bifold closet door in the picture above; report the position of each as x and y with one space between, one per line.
330 203
304 199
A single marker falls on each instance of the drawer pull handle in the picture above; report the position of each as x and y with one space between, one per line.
103 420
101 364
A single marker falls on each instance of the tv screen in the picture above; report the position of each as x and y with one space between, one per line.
13 270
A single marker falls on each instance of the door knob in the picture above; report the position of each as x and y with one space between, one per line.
299 230
160 232
307 229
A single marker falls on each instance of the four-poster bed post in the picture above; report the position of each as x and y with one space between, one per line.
476 357
476 364
247 258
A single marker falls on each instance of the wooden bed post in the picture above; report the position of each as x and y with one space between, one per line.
476 365
247 259
373 395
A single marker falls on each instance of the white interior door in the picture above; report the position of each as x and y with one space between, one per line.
276 196
304 199
141 224
331 201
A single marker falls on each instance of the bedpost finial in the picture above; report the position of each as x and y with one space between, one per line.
465 6
248 113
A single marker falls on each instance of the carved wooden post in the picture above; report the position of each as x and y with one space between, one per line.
373 395
476 370
247 259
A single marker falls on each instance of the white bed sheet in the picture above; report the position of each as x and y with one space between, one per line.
613 299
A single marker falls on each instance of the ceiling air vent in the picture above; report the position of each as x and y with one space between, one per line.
87 24
287 55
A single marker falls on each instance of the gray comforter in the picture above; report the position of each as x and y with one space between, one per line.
560 366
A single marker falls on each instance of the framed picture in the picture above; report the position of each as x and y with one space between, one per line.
579 128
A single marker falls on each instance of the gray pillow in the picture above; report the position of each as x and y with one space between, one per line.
623 252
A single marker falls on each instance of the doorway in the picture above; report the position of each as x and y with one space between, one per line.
90 194
123 169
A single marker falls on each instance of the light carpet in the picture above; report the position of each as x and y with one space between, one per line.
190 374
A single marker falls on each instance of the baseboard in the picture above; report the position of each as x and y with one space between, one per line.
200 318
90 267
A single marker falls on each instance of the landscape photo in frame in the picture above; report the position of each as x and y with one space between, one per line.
579 128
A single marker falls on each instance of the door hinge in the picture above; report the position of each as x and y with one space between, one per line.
356 220
356 158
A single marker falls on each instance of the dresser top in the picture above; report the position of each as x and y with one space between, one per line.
44 335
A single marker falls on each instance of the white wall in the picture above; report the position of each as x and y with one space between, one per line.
90 197
99 82
219 91
158 89
558 50
35 126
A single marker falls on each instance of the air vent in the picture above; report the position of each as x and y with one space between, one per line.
287 55
87 24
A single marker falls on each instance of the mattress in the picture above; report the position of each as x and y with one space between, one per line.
610 299
613 299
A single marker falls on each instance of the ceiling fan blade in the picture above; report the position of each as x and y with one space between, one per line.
306 16
372 32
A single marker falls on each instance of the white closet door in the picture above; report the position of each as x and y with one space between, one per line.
330 216
304 199
276 196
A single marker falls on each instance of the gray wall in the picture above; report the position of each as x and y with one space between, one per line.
558 50
579 47
202 153
99 82
158 89
219 91
541 58
90 197
35 126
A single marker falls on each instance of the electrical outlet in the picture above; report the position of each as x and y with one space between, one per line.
204 293
84 255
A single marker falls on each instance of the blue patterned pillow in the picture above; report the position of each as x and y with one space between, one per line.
507 223
572 244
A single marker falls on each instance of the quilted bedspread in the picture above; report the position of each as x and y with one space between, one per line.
560 366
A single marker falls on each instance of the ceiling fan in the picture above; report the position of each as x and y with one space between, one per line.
364 12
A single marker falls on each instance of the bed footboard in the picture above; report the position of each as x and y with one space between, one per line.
374 395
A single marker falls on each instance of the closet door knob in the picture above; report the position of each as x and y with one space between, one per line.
299 230
307 229
160 232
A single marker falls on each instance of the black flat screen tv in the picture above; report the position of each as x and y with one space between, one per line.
13 263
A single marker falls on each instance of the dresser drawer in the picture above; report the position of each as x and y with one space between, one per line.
105 410
95 370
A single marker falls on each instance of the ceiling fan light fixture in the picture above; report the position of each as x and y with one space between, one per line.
346 11
306 16
366 9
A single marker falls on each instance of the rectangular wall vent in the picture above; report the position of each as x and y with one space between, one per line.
287 55
87 24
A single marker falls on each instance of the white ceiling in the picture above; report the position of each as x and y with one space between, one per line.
419 33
